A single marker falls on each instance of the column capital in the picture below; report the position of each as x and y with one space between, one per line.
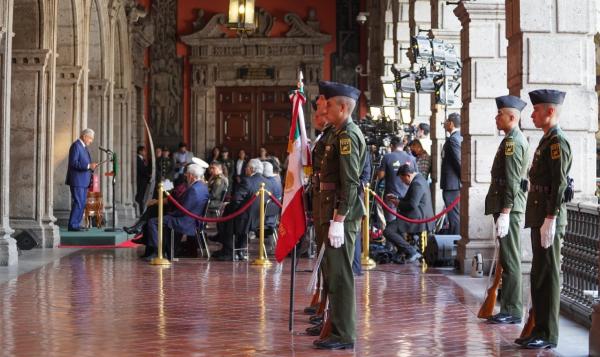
69 74
30 60
98 87
121 95
484 10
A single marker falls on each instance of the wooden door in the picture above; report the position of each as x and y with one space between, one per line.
250 117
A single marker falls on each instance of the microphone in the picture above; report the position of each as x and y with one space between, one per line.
105 150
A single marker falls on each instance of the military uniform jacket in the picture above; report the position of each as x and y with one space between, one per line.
548 179
509 168
341 166
318 153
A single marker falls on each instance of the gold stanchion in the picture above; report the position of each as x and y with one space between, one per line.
365 260
262 260
159 260
423 246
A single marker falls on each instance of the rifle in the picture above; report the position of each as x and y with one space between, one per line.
530 324
487 308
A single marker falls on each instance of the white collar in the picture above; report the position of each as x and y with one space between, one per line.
81 141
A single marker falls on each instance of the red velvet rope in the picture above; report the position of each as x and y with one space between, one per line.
210 219
410 220
275 200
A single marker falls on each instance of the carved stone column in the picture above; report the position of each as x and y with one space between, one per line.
122 145
483 54
28 162
8 247
98 120
561 33
67 128
446 27
420 19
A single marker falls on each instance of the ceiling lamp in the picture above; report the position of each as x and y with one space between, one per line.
241 16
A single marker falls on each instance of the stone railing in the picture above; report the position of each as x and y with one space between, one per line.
580 261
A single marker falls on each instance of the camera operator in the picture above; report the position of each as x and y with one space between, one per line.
416 205
394 187
423 136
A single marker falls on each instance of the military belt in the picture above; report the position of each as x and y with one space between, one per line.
327 186
539 188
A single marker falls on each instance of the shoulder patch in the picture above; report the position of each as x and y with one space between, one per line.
555 151
345 146
509 148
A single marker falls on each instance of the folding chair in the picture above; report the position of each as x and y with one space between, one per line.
200 236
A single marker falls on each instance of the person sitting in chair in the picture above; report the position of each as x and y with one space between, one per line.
217 187
416 204
273 185
194 200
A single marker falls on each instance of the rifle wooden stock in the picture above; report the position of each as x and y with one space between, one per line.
326 330
529 325
487 308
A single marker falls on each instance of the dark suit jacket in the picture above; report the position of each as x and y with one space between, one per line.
194 199
272 210
78 174
417 205
142 175
450 172
247 188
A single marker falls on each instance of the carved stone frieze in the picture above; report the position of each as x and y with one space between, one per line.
121 95
67 75
98 87
299 28
30 60
265 23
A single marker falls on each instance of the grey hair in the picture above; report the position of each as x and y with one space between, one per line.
348 102
195 170
88 132
256 166
267 169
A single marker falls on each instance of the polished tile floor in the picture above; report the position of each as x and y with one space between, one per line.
109 303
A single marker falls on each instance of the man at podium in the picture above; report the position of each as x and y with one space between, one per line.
79 175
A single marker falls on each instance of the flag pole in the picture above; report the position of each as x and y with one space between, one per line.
292 288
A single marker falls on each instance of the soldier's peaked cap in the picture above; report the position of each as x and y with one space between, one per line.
334 89
510 101
547 96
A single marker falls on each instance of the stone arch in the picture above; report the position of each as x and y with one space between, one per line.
68 97
31 121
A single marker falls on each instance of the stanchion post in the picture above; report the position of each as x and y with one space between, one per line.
160 260
365 260
423 246
262 260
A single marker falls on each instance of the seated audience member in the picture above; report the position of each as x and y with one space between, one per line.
228 165
245 222
416 204
217 187
423 158
273 185
194 199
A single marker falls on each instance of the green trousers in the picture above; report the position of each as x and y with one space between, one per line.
341 285
510 259
545 285
321 232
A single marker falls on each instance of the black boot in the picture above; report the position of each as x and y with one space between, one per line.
135 229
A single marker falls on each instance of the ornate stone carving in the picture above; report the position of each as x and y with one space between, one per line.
213 27
69 74
166 75
299 28
98 87
265 23
30 59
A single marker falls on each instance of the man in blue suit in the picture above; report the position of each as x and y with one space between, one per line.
194 199
79 175
450 172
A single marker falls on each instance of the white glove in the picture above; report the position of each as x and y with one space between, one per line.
336 233
502 225
547 232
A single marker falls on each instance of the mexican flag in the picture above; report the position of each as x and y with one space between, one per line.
293 221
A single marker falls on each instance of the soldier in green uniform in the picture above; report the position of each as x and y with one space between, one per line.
320 222
506 201
546 216
339 181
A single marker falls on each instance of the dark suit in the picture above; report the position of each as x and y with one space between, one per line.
450 178
245 222
78 178
142 177
194 199
416 205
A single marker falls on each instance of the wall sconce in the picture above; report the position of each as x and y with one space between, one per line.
358 69
361 18
241 16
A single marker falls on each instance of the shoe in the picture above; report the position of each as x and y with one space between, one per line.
311 310
538 343
139 240
131 230
316 319
503 318
414 257
314 330
241 256
522 341
150 257
330 344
